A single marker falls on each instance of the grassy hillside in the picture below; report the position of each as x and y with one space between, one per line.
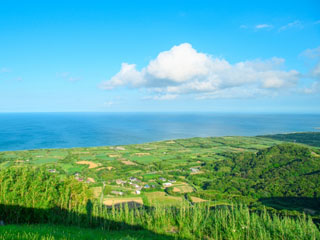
285 170
220 169
198 188
115 174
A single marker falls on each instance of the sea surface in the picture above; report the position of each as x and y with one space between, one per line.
20 131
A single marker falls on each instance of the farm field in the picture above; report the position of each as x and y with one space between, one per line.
178 189
165 173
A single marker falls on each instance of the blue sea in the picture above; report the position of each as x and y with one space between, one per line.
20 131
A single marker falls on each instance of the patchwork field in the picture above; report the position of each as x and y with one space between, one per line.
165 173
161 198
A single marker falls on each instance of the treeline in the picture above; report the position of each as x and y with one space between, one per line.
285 170
309 138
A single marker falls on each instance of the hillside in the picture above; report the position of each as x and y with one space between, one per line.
220 169
142 188
285 170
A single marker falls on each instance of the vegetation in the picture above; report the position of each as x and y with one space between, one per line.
285 170
36 188
199 188
50 232
186 221
310 138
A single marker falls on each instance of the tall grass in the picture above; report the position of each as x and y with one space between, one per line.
187 221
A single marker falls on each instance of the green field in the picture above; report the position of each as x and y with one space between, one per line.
264 173
111 168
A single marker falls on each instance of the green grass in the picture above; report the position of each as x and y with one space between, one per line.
184 222
51 232
45 160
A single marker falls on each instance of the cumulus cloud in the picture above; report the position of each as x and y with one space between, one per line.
262 26
183 70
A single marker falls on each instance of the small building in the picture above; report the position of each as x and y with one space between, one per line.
172 181
52 170
167 184
162 179
138 192
133 179
146 186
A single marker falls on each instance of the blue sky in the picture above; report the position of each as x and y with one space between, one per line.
146 56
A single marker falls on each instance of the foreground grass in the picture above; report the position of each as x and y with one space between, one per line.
185 222
50 232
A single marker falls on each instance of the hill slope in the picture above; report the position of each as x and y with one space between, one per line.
286 170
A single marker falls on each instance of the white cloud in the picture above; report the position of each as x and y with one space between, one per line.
295 24
312 53
262 26
183 70
314 88
180 64
128 75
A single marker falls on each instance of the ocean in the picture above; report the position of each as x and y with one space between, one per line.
20 131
